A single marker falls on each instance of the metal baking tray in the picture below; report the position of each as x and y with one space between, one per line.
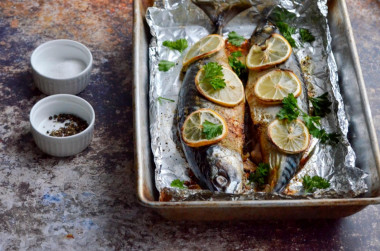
358 112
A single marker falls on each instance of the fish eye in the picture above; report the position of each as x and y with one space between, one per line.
221 181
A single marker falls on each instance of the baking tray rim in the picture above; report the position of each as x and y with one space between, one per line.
138 23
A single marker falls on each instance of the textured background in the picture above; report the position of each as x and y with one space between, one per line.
88 202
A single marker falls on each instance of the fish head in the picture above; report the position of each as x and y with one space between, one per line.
225 170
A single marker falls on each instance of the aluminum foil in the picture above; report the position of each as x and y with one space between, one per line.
175 19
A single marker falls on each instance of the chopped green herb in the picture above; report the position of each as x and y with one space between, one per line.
217 83
237 66
285 28
160 99
282 17
177 183
329 138
287 31
280 14
211 130
315 182
260 176
312 123
179 45
236 54
321 105
165 65
290 111
235 39
306 36
213 75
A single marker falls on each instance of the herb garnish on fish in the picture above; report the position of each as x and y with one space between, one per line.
211 130
213 75
260 176
178 183
310 183
237 66
291 111
165 65
179 45
235 39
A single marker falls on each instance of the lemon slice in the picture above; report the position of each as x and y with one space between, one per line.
275 85
276 50
203 48
290 137
193 133
231 95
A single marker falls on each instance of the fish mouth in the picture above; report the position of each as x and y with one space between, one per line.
225 170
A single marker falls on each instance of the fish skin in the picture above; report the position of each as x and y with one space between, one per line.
282 166
218 167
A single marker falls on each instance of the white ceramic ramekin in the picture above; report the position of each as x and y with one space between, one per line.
57 104
61 66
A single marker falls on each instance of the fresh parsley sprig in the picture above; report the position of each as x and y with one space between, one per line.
178 183
287 31
321 105
161 99
281 17
235 39
179 45
213 75
306 36
291 111
315 182
165 65
260 176
280 14
236 54
211 130
237 66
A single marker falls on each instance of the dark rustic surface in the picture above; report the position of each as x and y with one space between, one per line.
88 201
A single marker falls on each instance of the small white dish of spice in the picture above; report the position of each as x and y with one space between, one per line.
62 124
61 66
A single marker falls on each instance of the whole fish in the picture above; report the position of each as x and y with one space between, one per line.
282 166
218 167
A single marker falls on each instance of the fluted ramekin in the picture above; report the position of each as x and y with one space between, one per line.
58 104
61 66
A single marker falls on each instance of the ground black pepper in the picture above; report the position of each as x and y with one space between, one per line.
72 126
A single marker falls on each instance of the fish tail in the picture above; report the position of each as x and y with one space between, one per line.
221 12
283 168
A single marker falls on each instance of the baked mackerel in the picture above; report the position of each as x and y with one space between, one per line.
282 166
218 167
